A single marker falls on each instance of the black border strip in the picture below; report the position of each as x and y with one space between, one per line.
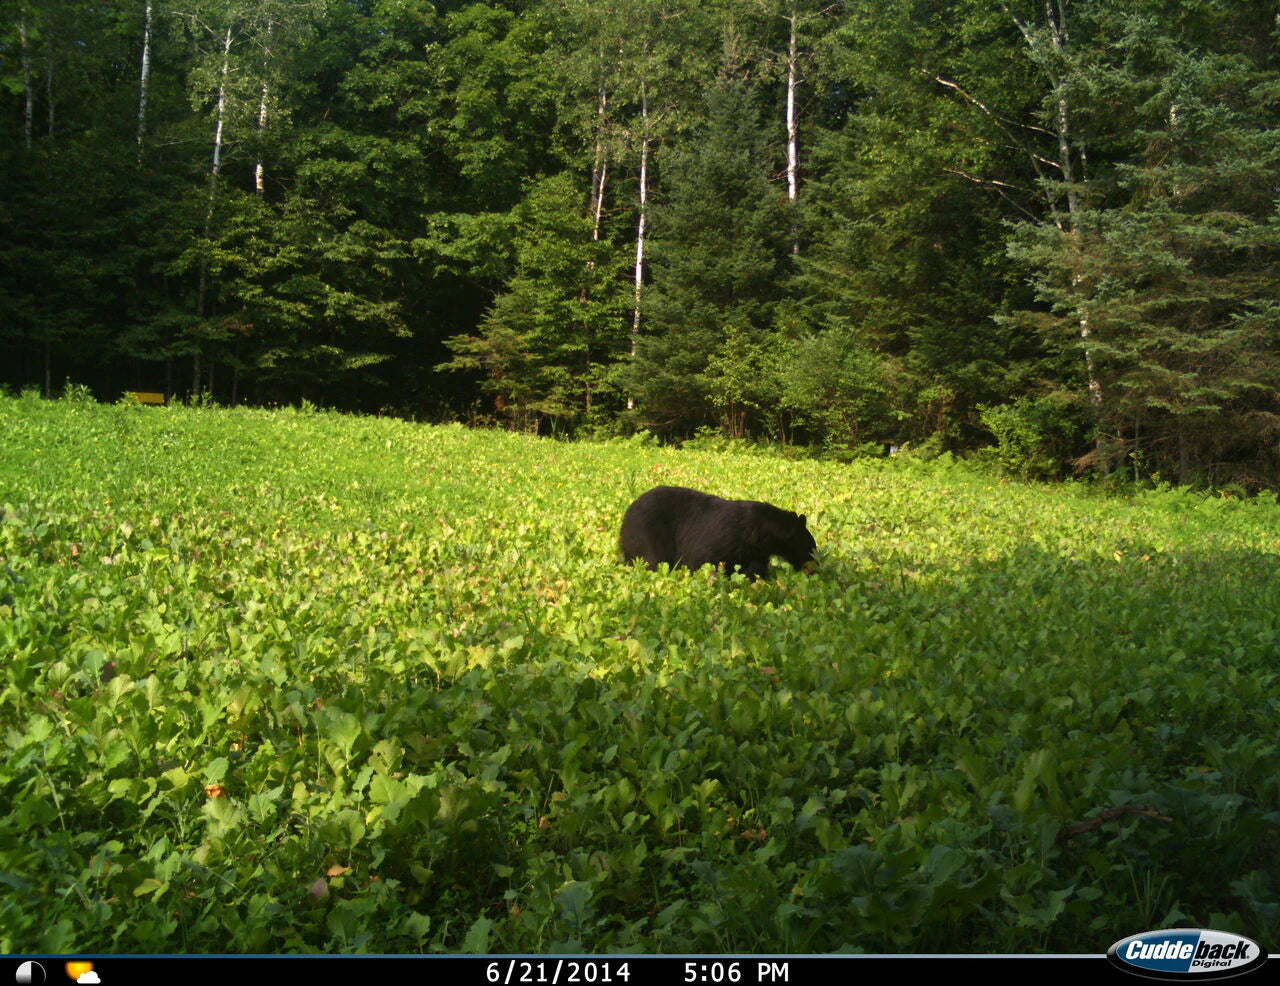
565 970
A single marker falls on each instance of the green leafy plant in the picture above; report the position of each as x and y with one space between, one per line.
283 681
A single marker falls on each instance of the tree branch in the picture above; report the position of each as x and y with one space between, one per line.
998 186
1108 815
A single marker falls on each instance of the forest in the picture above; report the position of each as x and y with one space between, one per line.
1043 232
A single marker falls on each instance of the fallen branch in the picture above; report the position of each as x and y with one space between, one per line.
1106 816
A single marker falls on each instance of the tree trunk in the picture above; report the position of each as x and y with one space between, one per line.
222 110
29 94
1059 38
641 228
145 81
259 171
793 155
599 175
599 169
216 169
1095 388
1058 34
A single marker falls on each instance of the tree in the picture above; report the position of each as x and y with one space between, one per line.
1175 273
803 23
905 223
547 347
719 268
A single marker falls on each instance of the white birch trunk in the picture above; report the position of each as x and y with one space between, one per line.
641 228
793 154
145 81
599 204
220 119
259 171
599 169
1058 34
1058 38
595 238
599 174
215 171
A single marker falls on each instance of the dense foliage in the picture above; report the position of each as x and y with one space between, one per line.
287 681
1044 228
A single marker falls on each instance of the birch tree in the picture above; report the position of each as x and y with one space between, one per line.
259 169
590 49
276 26
642 226
215 172
1173 274
653 32
600 165
144 82
221 86
615 52
1049 47
719 250
793 80
797 17
1060 169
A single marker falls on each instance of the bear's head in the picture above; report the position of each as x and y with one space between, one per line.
801 545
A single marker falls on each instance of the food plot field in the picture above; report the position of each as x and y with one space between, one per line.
285 681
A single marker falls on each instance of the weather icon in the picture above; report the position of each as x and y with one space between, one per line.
82 972
29 972
88 977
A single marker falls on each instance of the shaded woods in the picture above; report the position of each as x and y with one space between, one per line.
1046 230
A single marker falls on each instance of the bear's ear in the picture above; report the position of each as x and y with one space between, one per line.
802 520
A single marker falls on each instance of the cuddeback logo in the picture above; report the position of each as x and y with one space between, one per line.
1186 953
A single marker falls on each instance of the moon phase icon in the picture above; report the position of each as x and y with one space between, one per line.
30 972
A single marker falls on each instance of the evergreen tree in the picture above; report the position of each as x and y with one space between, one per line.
719 268
945 222
905 222
1174 270
547 347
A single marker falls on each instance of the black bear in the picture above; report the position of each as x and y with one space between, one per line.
684 527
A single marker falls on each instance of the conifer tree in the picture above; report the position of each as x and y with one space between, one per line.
720 257
1175 268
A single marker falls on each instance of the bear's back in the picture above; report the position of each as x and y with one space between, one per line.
652 526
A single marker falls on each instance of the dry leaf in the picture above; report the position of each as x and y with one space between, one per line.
215 790
337 869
